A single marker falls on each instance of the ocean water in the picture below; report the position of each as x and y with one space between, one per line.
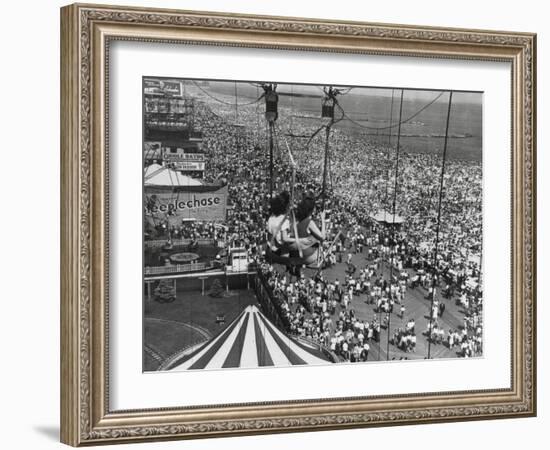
425 132
371 110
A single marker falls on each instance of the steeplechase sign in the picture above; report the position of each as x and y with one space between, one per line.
191 203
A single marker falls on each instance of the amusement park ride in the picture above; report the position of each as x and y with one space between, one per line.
173 141
170 117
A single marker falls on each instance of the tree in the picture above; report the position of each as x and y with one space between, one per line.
216 290
165 292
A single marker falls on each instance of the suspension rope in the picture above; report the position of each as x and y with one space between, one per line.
270 125
393 220
278 152
408 119
441 182
386 187
236 105
388 156
267 167
258 113
290 210
327 150
219 100
291 108
334 122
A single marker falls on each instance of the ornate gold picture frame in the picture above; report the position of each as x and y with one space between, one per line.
87 31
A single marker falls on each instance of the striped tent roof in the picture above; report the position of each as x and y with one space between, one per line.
251 340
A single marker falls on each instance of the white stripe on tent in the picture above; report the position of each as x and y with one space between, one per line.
217 360
191 361
277 355
249 355
306 356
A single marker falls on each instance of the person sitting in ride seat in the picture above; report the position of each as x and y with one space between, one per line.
279 239
278 223
307 229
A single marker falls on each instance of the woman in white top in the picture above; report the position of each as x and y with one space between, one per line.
277 223
280 241
307 231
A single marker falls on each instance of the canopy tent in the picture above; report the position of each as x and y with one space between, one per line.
157 175
251 340
387 217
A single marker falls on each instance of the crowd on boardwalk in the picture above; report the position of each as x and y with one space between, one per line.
321 309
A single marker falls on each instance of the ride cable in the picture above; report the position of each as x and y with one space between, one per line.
325 165
290 212
408 119
327 112
388 157
271 115
329 103
441 182
393 223
271 132
236 104
386 193
291 203
258 115
219 100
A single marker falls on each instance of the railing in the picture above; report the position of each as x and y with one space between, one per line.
321 348
251 267
178 268
179 242
274 312
270 306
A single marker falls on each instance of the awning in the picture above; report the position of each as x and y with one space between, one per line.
157 175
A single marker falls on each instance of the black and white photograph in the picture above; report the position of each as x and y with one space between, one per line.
306 224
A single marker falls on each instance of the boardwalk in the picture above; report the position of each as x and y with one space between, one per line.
417 307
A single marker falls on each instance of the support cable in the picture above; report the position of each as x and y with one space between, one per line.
408 119
393 220
219 100
434 264
386 187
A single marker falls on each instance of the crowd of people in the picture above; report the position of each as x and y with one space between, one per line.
322 311
361 183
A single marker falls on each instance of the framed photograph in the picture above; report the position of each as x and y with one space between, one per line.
276 224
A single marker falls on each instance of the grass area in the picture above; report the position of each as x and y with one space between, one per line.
167 337
198 310
190 319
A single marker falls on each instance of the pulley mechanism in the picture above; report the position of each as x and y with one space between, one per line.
271 102
329 102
